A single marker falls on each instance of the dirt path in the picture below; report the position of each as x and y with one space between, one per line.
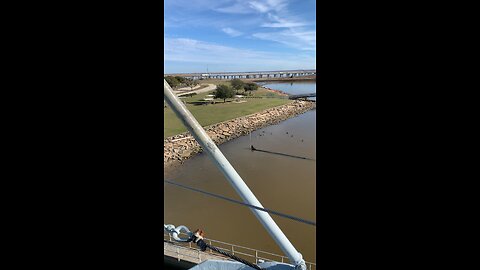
210 87
189 88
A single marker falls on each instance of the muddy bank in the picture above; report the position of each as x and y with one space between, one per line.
281 93
180 147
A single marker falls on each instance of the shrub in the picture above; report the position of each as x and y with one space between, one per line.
237 84
224 92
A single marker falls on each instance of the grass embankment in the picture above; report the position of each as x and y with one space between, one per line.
214 113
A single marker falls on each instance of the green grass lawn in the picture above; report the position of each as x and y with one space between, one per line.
219 112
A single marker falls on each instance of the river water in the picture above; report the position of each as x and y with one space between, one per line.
282 183
294 88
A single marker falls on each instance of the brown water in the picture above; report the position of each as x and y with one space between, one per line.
285 184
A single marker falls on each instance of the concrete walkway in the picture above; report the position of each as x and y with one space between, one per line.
189 88
209 88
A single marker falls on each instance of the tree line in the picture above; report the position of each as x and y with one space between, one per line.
177 81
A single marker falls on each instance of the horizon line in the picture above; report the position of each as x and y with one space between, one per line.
258 71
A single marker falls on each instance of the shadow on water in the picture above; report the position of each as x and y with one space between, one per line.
277 153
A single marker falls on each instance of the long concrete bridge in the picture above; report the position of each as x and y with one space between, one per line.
248 75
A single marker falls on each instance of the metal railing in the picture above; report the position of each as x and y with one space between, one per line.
252 255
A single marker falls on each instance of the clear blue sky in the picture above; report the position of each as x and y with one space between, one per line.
239 35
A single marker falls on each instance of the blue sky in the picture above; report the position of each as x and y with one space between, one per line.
239 35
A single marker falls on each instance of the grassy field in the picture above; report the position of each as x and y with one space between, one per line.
215 113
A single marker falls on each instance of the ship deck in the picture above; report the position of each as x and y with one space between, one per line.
187 253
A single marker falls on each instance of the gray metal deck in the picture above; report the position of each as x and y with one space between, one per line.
190 253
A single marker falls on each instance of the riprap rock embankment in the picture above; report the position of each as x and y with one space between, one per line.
180 147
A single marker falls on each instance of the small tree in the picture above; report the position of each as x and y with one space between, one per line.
181 80
224 92
172 81
250 87
237 84
189 82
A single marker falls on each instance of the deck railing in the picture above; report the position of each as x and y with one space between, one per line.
252 255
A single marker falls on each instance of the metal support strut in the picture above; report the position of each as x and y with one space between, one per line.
232 176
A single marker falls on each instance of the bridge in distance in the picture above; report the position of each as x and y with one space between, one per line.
248 75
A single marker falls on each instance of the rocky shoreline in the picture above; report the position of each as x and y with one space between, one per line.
178 148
